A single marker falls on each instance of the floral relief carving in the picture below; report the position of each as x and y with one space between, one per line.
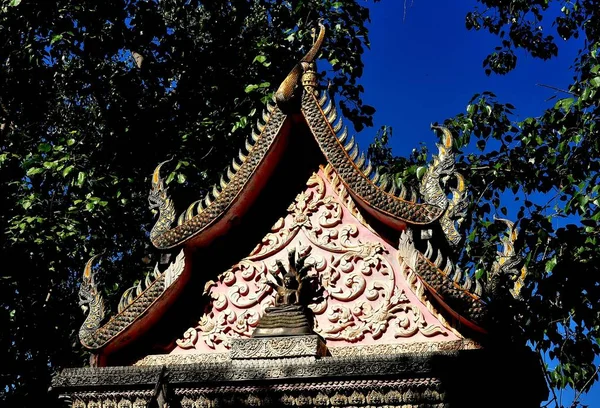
361 293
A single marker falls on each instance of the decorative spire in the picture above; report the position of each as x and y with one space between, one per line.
304 68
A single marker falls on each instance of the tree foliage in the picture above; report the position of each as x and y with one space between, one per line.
94 95
547 167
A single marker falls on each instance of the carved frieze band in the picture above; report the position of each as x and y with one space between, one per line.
343 351
362 296
412 365
390 393
278 347
340 394
114 400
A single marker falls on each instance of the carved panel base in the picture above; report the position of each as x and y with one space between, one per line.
278 347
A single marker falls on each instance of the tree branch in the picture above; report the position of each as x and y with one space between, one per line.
558 89
578 395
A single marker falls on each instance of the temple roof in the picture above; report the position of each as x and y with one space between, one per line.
416 216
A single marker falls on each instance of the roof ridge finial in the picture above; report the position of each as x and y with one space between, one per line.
285 92
316 47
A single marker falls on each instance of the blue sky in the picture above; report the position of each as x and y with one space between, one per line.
426 67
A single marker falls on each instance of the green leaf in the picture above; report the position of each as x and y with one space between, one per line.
34 170
80 178
55 38
44 147
181 178
564 104
14 3
251 88
170 178
595 82
550 264
67 170
260 58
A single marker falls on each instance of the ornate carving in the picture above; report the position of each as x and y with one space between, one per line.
139 403
346 281
445 283
288 317
427 391
336 351
245 370
287 89
508 267
90 301
159 199
372 190
133 303
125 403
171 274
109 403
362 294
434 182
188 403
201 215
175 269
344 196
415 378
304 206
278 347
174 359
459 290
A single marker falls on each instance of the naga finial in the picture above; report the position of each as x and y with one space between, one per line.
506 267
159 199
91 302
433 188
286 90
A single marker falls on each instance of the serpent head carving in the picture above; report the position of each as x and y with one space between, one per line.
90 301
158 199
433 188
508 270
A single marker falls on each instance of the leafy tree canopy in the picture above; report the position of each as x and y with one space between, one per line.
94 95
548 167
